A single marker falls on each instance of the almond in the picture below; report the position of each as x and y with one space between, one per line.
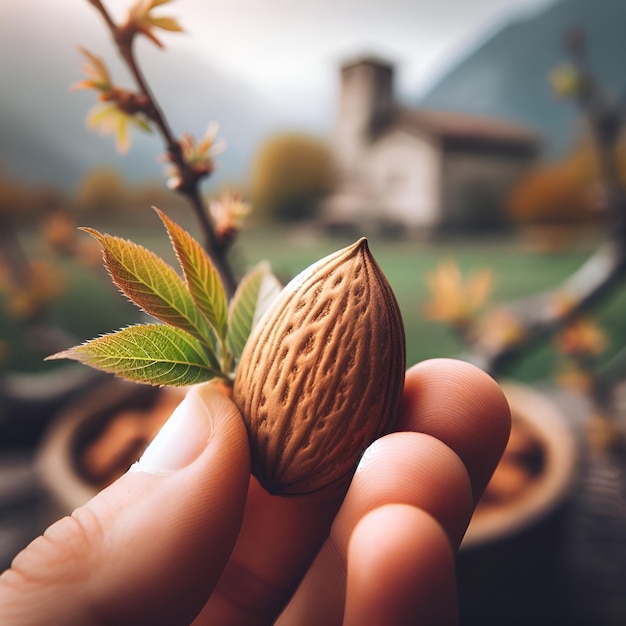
322 373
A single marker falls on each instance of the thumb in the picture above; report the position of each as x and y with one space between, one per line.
150 548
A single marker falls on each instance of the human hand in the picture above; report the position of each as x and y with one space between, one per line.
186 536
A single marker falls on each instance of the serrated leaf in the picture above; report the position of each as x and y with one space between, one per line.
153 285
255 293
148 353
203 280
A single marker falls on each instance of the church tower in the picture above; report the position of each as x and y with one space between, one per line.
365 103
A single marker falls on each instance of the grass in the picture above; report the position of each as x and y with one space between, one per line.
407 263
91 306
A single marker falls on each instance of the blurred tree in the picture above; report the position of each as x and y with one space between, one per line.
16 202
558 193
102 190
291 173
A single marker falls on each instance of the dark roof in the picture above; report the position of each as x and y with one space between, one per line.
464 126
450 126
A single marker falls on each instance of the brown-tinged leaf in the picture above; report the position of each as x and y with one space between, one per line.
166 23
153 285
203 280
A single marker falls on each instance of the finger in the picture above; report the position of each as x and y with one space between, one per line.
405 468
463 407
403 577
460 444
278 541
149 548
408 468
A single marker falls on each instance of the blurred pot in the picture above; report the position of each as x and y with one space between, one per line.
509 562
98 437
29 401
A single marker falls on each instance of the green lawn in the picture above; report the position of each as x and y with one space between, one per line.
517 271
92 306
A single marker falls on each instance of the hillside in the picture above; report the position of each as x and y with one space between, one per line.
508 74
43 139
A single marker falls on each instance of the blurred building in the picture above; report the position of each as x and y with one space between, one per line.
415 169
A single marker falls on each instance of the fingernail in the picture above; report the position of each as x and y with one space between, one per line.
371 452
181 439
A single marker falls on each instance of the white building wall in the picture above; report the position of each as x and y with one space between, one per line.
405 174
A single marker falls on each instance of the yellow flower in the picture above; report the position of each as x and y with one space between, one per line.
570 376
141 20
42 285
565 81
498 329
59 232
109 119
98 76
582 338
560 303
455 300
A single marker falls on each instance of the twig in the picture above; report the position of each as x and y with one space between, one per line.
538 316
189 186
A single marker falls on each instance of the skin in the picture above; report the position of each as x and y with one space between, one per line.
189 537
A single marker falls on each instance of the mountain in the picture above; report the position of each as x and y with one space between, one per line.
43 137
508 74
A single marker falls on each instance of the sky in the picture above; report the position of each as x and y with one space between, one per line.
277 59
280 47
270 43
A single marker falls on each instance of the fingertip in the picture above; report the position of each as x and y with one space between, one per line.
409 468
462 406
400 570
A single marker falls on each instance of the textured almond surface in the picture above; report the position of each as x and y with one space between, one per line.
321 376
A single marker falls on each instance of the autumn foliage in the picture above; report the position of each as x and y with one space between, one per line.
558 193
291 172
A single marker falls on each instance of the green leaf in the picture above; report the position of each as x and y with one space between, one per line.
153 285
147 353
256 292
203 280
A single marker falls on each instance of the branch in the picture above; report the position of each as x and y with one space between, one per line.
190 185
606 121
538 316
